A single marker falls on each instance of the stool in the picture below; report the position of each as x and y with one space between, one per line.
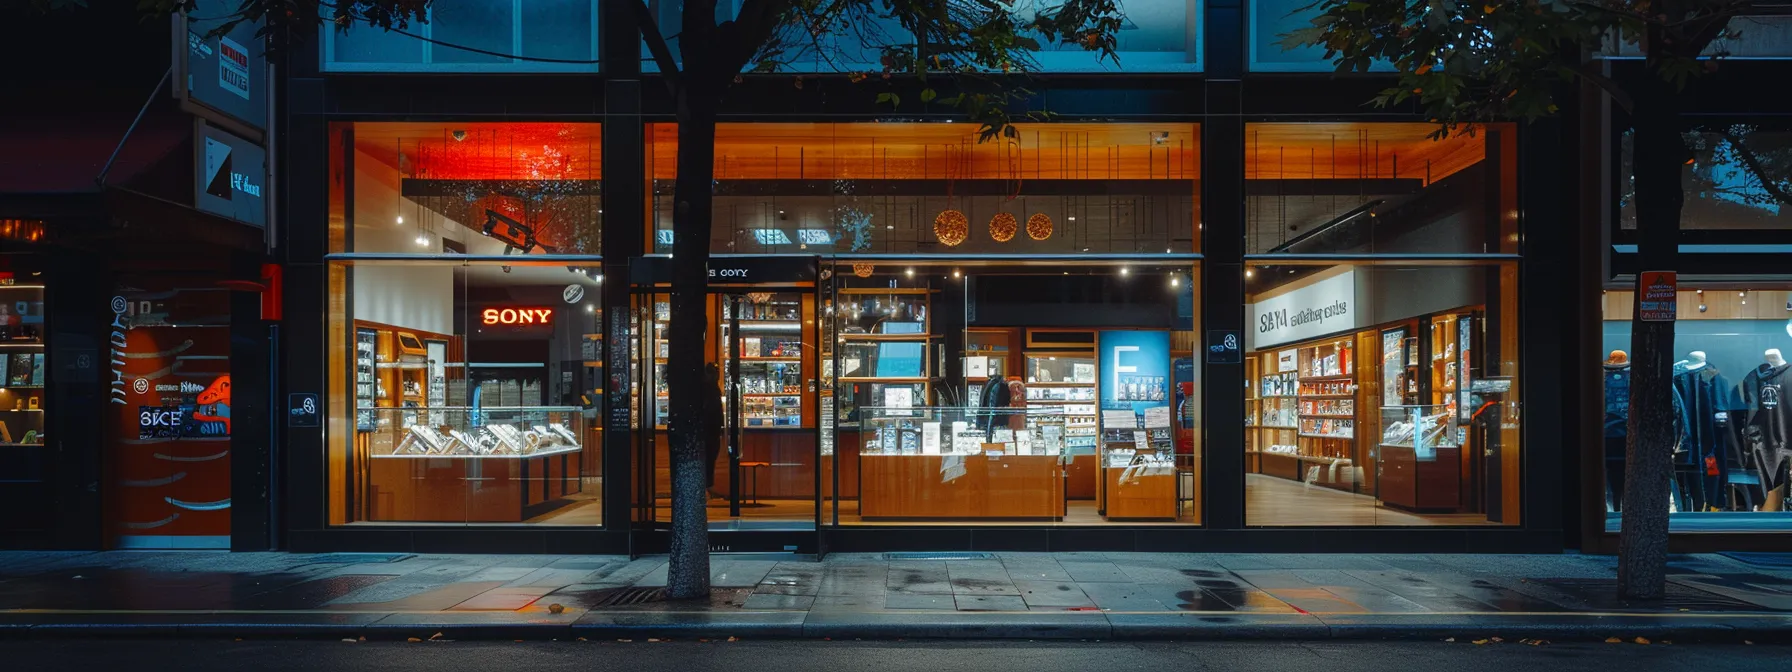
755 466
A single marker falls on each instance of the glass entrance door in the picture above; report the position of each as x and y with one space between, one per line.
763 453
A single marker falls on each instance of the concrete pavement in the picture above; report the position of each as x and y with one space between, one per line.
1004 595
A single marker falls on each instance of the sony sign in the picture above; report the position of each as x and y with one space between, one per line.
1321 308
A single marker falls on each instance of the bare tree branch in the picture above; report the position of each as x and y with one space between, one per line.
656 44
1768 182
1589 71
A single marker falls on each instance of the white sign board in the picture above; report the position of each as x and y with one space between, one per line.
1319 309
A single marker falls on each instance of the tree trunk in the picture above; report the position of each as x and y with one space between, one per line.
688 572
1656 165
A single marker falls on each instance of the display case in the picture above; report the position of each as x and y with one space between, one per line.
986 354
1063 383
1420 449
23 430
481 464
1138 466
960 463
881 347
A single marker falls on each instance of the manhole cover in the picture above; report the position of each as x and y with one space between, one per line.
940 556
1603 594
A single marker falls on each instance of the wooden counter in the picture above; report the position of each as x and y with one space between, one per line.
911 487
470 489
1143 498
1420 485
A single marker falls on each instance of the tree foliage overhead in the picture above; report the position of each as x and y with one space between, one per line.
1468 61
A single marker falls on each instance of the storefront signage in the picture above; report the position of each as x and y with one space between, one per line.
223 76
232 176
517 316
1318 309
729 270
302 410
1658 296
160 422
1224 346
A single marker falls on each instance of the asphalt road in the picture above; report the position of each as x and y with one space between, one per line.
641 656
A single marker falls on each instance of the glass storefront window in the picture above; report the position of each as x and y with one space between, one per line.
565 30
857 188
1382 393
475 389
25 462
1026 396
467 188
1731 462
1380 188
1722 191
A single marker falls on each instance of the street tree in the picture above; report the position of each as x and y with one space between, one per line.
966 57
1464 62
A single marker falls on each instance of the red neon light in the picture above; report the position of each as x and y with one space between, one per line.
517 315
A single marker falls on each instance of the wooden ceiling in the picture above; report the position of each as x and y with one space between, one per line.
907 150
1351 150
488 150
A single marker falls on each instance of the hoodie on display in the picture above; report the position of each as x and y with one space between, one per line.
1769 419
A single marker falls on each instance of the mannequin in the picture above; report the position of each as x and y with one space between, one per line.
1695 360
1617 425
1765 433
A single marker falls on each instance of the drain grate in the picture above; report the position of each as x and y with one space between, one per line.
940 556
356 558
623 597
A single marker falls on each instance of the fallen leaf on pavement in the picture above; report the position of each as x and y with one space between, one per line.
435 637
1480 642
1451 639
556 608
349 641
412 640
1613 640
733 639
1641 640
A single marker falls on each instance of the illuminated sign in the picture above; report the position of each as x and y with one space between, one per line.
518 316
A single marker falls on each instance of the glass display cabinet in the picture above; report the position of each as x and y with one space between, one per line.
961 463
1420 458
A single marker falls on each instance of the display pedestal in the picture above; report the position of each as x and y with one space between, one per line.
471 489
1420 485
1140 498
914 487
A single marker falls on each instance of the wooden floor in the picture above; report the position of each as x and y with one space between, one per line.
1278 502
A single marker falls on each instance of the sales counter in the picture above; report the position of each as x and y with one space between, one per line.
472 488
961 487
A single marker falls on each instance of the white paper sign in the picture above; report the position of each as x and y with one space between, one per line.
1140 441
1119 419
1054 439
1157 417
1324 307
930 438
976 367
899 397
1023 442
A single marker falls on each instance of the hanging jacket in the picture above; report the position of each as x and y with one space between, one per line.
1708 396
1769 422
1617 405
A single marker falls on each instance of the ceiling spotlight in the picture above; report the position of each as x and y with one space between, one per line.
1249 273
1175 281
590 308
599 279
891 227
911 272
401 220
1124 270
1071 218
422 239
954 273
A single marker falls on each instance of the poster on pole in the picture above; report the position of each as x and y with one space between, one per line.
1657 296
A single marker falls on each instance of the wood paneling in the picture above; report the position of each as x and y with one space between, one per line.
915 487
488 150
1720 304
905 150
1421 485
1140 498
470 490
1300 151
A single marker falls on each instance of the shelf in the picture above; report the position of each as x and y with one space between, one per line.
21 445
1327 436
787 360
21 410
1328 396
1335 417
1090 384
21 345
21 387
1272 427
1341 376
1282 396
771 394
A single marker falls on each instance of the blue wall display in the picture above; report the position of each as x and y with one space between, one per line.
1135 370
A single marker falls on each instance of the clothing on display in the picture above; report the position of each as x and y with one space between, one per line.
1764 434
1708 457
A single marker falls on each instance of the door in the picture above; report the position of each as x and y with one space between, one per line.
765 474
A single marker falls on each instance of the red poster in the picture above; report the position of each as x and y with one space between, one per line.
168 401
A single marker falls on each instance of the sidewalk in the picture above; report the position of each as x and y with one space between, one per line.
1004 595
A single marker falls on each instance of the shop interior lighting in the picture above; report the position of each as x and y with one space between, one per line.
955 274
1124 270
911 272
401 220
770 237
1175 280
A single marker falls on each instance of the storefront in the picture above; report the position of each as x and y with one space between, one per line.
1732 316
1155 322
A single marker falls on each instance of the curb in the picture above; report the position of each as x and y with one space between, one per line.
1759 628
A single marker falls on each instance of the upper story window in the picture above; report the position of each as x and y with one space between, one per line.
493 33
1156 36
1269 21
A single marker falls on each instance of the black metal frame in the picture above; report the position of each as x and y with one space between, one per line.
1222 99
